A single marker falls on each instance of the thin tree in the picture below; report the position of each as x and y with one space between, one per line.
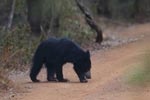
90 21
11 15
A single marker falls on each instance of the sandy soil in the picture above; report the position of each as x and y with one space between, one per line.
109 70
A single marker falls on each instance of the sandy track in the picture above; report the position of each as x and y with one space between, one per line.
109 68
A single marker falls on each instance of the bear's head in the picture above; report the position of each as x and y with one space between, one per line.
83 65
88 65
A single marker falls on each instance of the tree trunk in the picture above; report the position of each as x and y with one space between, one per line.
11 16
90 21
34 15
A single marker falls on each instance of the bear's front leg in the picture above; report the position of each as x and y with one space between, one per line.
59 75
81 76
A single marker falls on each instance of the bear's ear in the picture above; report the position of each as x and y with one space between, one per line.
88 53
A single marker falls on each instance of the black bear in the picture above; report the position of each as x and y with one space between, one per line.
54 53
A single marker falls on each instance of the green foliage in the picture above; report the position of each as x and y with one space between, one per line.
144 8
122 8
20 6
71 20
20 12
76 29
57 7
127 9
16 47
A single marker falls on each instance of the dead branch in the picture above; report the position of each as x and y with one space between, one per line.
90 21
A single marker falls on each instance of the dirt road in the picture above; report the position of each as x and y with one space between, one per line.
109 70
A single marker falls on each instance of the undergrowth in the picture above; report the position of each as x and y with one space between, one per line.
5 83
16 47
77 30
16 50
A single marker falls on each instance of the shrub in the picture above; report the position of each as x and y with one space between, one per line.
126 9
122 8
16 47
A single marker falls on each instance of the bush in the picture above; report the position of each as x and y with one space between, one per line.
16 47
77 30
125 9
122 8
144 8
71 21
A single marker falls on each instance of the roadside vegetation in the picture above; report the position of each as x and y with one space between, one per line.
58 18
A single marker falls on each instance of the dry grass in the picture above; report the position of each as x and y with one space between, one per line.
5 83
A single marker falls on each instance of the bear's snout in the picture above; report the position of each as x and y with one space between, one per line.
88 75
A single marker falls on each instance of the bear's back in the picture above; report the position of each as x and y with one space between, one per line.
61 43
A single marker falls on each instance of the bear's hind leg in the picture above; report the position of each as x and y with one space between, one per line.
59 74
35 70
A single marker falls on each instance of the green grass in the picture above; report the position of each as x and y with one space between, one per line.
140 72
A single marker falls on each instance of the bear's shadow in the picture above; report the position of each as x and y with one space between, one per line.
43 82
